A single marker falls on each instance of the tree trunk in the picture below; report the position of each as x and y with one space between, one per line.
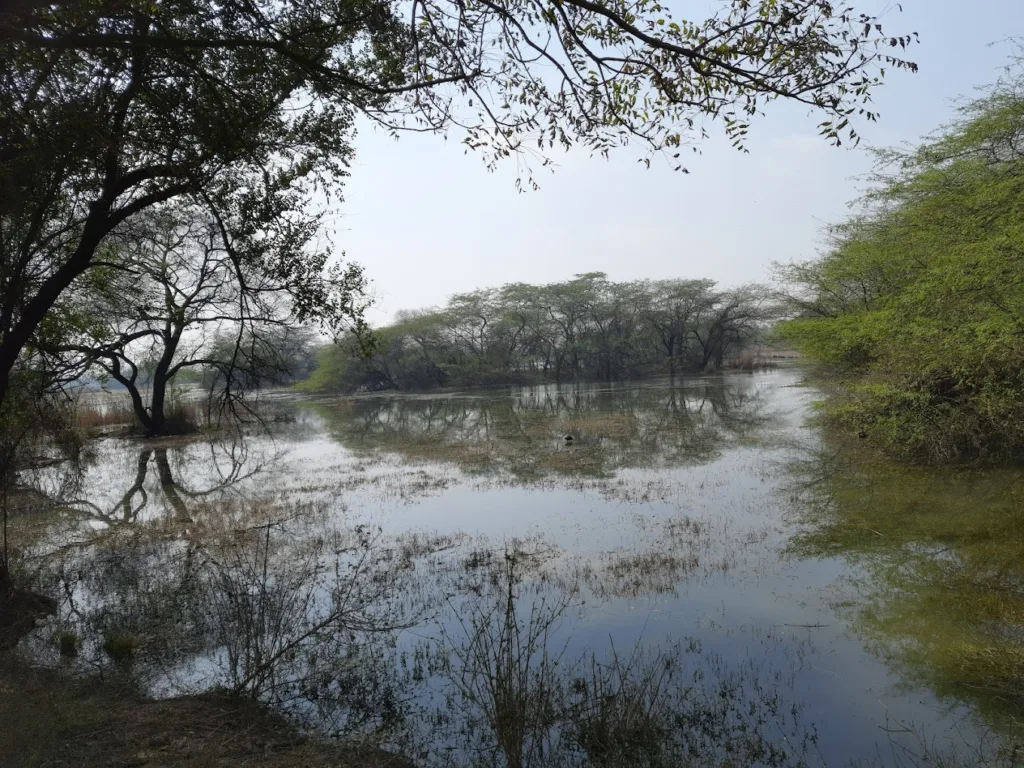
158 402
168 486
5 580
139 407
14 339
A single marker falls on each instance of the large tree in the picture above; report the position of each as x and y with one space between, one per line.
170 298
111 107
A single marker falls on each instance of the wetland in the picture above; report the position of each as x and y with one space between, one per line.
700 576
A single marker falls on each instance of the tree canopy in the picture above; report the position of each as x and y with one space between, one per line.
109 108
920 302
587 327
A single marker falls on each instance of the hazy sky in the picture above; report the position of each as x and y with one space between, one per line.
427 220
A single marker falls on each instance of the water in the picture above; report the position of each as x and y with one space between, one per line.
447 575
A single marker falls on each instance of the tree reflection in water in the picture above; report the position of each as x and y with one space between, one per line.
280 603
517 695
523 435
212 566
217 467
939 560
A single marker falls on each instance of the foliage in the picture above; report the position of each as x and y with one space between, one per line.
584 327
109 108
919 304
36 432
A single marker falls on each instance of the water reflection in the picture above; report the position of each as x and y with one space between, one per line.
264 600
222 466
282 606
525 434
446 577
939 579
522 695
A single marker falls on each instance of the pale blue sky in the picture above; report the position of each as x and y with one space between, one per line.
427 221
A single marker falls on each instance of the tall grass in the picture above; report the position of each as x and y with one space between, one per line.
97 411
94 412
751 360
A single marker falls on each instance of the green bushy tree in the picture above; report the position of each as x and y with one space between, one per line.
919 304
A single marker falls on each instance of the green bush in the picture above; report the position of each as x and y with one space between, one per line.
68 643
918 307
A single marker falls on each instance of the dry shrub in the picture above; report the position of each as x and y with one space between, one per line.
750 360
104 411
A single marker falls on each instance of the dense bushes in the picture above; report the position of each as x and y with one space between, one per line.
585 327
919 305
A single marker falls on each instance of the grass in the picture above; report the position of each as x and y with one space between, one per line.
96 412
751 360
120 646
68 643
645 573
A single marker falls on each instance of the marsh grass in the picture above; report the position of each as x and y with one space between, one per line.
95 413
608 424
751 360
644 573
619 710
506 670
99 411
522 698
119 646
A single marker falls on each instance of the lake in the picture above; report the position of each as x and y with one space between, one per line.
453 577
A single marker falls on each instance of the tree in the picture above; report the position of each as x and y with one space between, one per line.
171 297
587 327
918 307
729 321
109 108
39 459
670 312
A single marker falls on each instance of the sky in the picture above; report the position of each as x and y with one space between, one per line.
426 220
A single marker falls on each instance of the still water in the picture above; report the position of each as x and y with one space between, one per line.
452 577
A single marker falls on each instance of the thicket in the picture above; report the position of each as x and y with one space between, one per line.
918 307
587 327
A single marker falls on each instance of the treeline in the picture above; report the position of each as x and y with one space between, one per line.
919 305
587 327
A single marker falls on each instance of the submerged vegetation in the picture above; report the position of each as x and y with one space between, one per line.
589 431
577 604
918 308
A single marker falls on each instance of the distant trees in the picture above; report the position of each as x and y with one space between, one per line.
587 327
170 297
918 307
